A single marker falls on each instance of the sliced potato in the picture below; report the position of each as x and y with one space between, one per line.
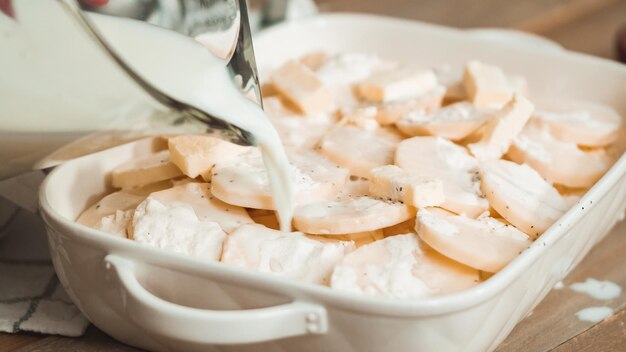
581 122
401 266
357 215
150 169
206 207
359 238
500 131
246 183
127 199
396 85
314 60
486 85
484 243
302 88
196 155
287 254
177 227
393 183
458 171
522 196
360 150
427 103
116 224
453 122
558 162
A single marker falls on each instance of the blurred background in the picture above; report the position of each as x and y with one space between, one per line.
596 27
588 26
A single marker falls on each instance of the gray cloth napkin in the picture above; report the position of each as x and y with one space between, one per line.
31 296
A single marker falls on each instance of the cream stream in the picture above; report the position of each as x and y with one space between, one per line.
189 72
56 47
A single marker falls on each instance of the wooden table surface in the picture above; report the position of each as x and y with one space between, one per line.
587 26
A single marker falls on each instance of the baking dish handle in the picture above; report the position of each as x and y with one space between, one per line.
202 326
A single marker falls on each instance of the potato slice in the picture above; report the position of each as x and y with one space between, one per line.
302 88
396 85
360 150
297 132
452 79
522 196
400 229
392 183
500 131
486 85
176 227
354 188
314 60
558 162
289 255
153 168
127 199
116 224
484 243
108 205
427 103
360 238
458 171
580 122
349 216
196 155
362 117
401 267
340 72
246 182
206 207
349 68
267 218
453 122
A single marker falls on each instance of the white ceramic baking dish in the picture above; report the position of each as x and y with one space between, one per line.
165 302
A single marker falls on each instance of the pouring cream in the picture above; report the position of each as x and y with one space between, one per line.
179 66
188 71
